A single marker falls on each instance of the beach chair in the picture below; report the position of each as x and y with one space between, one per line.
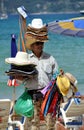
16 122
72 114
4 113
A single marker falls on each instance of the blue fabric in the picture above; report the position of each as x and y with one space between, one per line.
77 94
79 23
77 100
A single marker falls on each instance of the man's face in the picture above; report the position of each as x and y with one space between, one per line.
37 46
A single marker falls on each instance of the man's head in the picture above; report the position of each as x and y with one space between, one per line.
36 33
37 47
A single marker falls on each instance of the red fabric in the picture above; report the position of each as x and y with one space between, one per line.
0 119
53 104
41 116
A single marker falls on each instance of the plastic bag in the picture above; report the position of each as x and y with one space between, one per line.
24 105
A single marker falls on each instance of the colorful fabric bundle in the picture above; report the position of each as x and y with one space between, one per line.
45 89
50 84
51 100
45 101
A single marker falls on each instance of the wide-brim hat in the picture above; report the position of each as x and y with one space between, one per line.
31 40
63 84
36 32
27 71
72 80
18 72
20 59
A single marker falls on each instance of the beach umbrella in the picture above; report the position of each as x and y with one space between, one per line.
11 80
13 45
69 27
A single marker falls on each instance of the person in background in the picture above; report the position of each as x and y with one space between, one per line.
36 35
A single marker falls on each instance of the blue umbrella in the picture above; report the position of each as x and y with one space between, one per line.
69 27
13 46
13 53
12 81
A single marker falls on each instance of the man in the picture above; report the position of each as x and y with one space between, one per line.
35 37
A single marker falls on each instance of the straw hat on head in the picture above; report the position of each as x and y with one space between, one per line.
36 32
72 80
31 40
63 84
20 59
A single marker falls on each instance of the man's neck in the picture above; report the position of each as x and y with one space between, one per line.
38 54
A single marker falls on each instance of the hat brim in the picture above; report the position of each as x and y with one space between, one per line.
18 62
25 68
71 78
28 44
15 72
31 40
74 88
30 25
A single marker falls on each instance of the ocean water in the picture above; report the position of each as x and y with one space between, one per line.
68 51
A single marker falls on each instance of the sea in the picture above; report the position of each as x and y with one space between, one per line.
67 50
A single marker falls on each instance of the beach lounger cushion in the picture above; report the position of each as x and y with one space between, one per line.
72 114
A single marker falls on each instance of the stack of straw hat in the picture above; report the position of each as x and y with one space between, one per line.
36 32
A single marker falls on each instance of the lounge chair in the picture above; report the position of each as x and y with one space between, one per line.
16 122
4 113
72 114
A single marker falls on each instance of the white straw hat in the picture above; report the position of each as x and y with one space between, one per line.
36 23
21 58
72 79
